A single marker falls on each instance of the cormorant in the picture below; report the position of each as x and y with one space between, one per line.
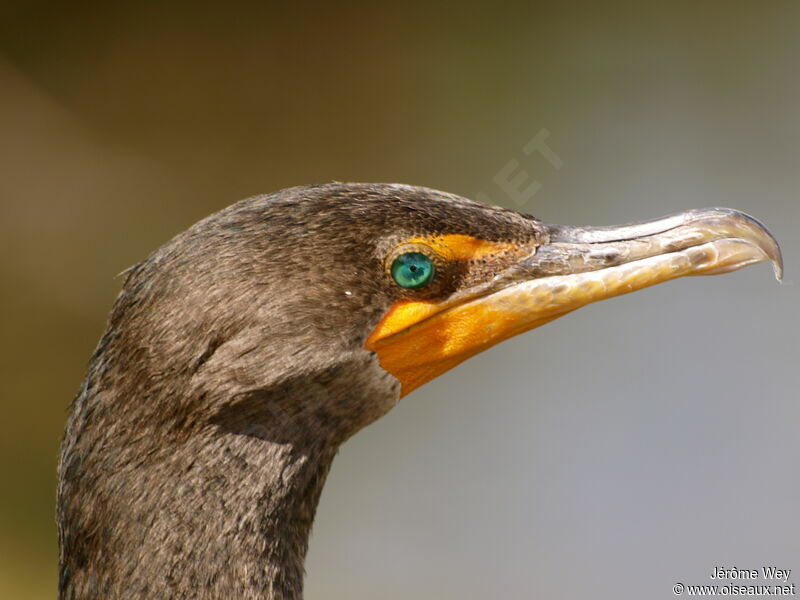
241 354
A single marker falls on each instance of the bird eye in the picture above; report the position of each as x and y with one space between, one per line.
412 270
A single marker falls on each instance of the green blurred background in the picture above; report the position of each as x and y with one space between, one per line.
637 443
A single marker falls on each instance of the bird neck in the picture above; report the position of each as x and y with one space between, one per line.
223 515
257 510
205 489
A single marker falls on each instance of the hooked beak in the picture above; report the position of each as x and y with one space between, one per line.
713 240
574 267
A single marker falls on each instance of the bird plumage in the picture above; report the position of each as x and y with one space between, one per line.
231 369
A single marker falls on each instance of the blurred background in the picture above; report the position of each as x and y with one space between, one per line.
637 443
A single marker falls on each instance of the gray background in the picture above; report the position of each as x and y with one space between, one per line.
637 443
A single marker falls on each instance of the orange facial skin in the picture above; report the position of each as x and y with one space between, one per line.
458 247
438 345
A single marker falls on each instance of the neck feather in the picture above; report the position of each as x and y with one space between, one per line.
224 515
203 484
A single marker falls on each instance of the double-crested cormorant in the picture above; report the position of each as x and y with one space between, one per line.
240 355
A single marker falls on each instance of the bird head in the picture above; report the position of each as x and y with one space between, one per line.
325 304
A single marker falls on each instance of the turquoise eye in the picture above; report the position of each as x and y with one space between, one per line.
412 270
